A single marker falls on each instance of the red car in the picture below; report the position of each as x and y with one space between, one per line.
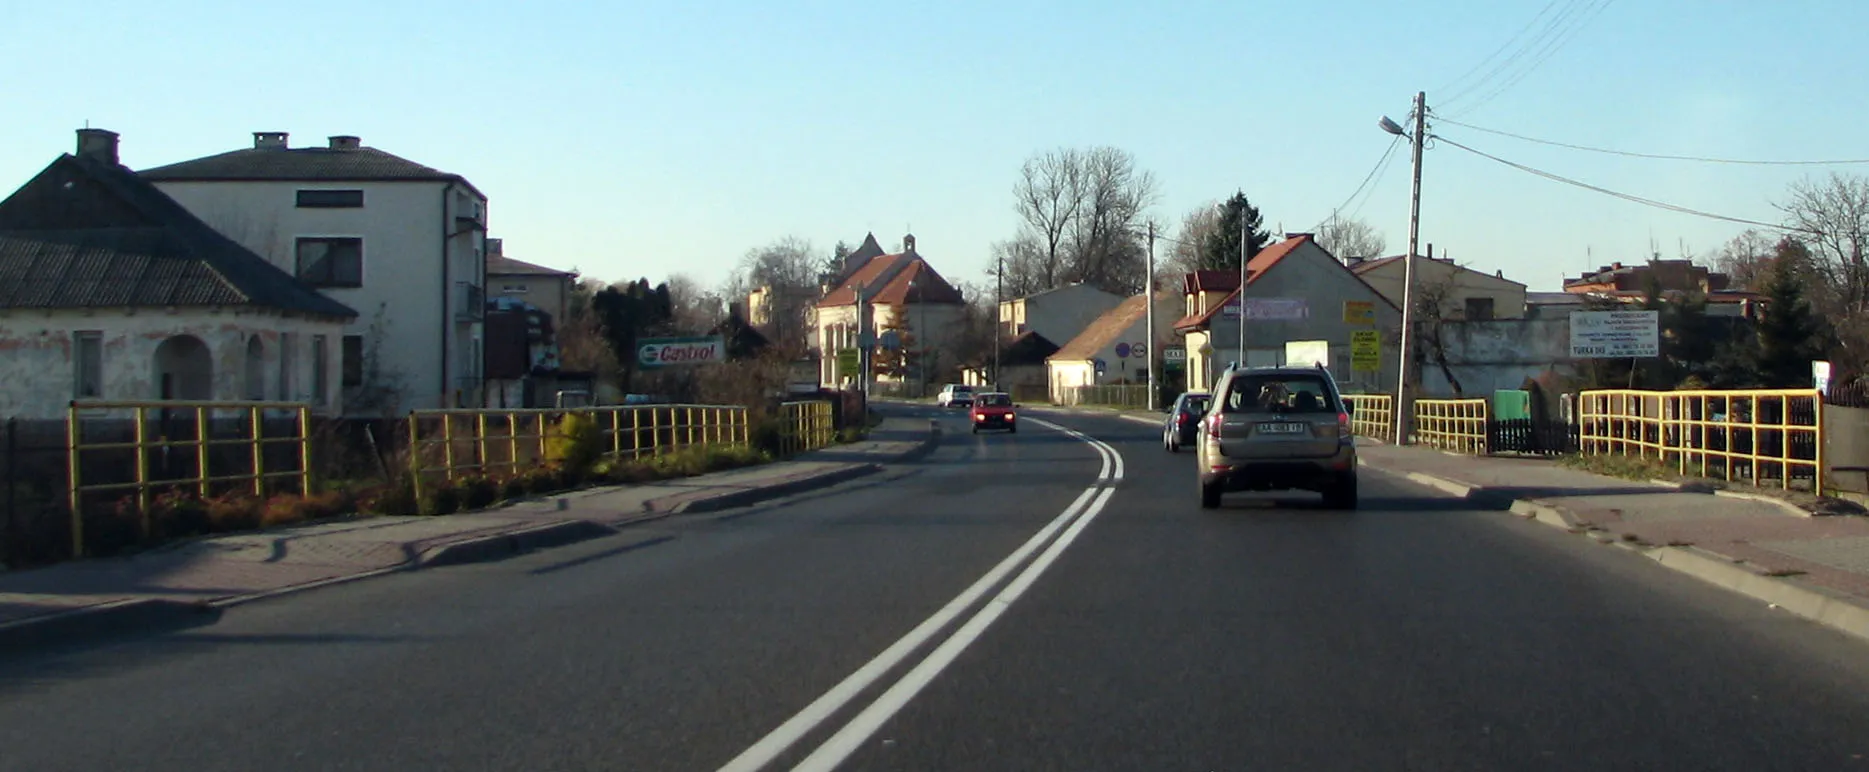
992 410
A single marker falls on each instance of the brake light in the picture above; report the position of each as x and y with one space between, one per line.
1181 418
1213 426
1343 422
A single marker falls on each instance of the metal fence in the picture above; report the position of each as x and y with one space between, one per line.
452 443
807 426
1372 415
202 445
1121 396
1459 425
1758 436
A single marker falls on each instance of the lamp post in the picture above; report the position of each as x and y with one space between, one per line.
1148 313
1403 407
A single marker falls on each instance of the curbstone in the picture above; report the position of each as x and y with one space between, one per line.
104 619
508 543
748 496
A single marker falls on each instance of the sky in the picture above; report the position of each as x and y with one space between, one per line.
641 139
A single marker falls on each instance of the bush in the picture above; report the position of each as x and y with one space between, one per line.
284 509
768 434
440 498
176 512
576 445
234 511
395 499
513 488
478 492
320 506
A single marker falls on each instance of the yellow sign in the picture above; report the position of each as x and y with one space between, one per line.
848 363
1359 312
1365 351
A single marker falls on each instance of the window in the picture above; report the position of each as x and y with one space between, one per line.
87 364
320 370
331 262
353 360
512 289
1278 394
1479 309
330 199
287 354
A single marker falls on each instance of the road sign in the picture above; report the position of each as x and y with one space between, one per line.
1122 351
1138 350
1615 334
1174 354
1365 351
1206 349
847 363
1820 376
1307 353
652 353
891 340
1102 366
1359 312
866 339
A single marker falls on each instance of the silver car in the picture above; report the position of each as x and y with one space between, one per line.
1277 428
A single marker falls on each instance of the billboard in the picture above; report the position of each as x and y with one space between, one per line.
1615 334
652 353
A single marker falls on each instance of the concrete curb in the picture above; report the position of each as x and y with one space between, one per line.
138 614
748 496
1817 604
1780 503
495 546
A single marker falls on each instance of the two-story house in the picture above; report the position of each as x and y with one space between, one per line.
897 288
1462 293
1058 314
545 288
400 242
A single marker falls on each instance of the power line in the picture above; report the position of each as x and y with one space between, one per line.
1623 196
1501 49
1380 164
1578 22
1702 159
1509 61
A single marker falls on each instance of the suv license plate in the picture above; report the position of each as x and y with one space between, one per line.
1278 428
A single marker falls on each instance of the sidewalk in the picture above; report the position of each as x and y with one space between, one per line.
1749 543
222 571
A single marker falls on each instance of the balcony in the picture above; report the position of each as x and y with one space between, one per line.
470 302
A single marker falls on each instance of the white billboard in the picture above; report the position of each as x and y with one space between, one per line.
1615 334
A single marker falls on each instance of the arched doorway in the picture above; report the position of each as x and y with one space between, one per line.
256 369
184 369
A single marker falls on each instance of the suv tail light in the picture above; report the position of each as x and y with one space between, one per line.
1213 426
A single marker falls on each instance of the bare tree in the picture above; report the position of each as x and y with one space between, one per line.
1746 259
1022 259
1834 215
1049 197
696 309
1106 238
1184 253
788 269
1351 239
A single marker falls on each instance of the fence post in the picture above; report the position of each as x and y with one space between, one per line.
616 433
258 452
480 440
512 441
1817 438
305 457
73 472
415 455
202 470
12 474
447 444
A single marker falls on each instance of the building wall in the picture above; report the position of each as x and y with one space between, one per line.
1312 274
429 317
1488 356
550 293
934 325
1508 296
1064 373
39 367
1058 315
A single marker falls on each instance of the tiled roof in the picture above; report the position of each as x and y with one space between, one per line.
501 265
309 163
1206 280
1104 331
894 273
84 234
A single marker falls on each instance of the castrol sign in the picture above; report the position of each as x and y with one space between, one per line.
674 352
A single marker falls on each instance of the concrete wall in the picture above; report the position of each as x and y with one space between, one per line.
1058 315
1311 274
1501 354
430 328
37 355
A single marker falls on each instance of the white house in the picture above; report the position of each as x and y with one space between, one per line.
900 286
1118 339
400 242
1057 314
111 290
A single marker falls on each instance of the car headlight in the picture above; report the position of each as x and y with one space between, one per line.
979 416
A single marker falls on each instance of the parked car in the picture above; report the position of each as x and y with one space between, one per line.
993 410
1184 420
1277 428
955 395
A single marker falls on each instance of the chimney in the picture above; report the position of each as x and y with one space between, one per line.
269 140
346 142
98 145
496 247
908 243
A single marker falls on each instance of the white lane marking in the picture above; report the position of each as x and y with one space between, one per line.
849 739
1112 462
769 747
1141 420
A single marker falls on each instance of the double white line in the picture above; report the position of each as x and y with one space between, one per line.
1072 522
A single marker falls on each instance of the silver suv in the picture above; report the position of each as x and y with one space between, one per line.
1277 428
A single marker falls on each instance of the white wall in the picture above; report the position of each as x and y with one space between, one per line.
935 325
1058 315
401 224
39 367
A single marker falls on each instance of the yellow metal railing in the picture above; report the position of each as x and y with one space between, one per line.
1459 425
453 442
1372 415
195 422
1757 436
807 426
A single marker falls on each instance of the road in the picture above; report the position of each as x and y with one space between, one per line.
1138 632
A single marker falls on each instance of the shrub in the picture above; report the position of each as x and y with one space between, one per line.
576 445
284 509
513 488
768 434
442 497
319 506
176 512
478 492
395 499
234 511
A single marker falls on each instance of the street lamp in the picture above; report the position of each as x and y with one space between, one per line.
1403 408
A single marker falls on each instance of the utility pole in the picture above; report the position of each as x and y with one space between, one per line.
1148 313
999 296
1242 347
1403 405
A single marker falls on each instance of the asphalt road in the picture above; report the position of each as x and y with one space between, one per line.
1148 634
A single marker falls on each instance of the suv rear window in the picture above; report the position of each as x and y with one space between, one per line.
1278 394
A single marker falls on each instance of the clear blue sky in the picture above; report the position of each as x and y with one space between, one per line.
642 139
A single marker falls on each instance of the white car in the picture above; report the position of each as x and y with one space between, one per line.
955 395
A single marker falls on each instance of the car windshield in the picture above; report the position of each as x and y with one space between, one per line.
993 400
1278 394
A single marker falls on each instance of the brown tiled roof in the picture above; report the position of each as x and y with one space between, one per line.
1206 280
1256 268
898 270
85 234
501 265
1103 332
